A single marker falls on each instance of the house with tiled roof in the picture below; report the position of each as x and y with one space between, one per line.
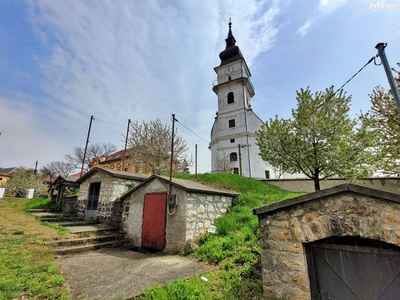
5 174
116 161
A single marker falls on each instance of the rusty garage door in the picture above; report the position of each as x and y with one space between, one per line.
354 268
154 217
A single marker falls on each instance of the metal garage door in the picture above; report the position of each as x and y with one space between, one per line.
93 200
349 272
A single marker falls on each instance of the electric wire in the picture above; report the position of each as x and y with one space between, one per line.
371 59
192 131
110 123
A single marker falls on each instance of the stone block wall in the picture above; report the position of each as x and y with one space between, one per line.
111 188
284 232
201 212
110 213
69 205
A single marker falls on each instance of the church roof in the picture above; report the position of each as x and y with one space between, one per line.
231 52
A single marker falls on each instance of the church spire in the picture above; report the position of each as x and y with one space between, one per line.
230 40
231 52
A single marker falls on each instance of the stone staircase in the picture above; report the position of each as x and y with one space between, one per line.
85 234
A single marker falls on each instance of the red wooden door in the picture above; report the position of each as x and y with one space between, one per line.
154 217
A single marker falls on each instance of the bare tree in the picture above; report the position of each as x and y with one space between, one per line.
57 168
150 146
223 164
93 151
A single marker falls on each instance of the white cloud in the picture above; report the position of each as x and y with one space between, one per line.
255 27
303 29
328 6
325 7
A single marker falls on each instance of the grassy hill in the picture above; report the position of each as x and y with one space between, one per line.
233 249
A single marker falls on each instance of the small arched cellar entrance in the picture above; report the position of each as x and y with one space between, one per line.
353 268
341 243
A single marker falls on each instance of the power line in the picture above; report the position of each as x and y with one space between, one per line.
192 131
371 59
110 123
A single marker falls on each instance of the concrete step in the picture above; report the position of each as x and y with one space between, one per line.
99 229
36 210
59 220
90 247
86 240
75 223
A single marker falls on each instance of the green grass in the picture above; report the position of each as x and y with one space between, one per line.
27 267
233 249
42 203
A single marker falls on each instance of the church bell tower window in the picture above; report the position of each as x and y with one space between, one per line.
231 98
233 156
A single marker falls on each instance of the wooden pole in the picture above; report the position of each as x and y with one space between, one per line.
172 153
126 142
87 142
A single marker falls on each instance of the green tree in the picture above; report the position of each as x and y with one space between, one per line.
384 120
22 180
150 146
320 141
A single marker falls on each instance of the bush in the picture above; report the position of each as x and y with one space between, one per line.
22 180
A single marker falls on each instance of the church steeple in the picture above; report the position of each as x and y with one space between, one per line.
231 52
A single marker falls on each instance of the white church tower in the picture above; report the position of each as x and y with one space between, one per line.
233 138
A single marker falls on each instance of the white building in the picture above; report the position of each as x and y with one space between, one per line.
233 135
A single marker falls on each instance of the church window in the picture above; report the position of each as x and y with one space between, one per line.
232 140
235 170
233 156
266 174
231 123
231 98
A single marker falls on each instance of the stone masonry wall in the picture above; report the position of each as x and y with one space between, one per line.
69 205
110 213
202 210
283 233
109 210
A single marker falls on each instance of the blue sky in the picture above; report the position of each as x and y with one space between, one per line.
63 61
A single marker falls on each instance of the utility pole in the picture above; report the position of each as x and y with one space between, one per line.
126 142
240 159
381 53
172 153
195 161
87 142
36 169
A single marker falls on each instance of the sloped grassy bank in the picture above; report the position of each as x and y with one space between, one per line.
234 248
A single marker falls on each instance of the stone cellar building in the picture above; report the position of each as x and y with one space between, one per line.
99 191
165 215
338 243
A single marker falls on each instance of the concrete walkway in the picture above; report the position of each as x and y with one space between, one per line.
121 273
